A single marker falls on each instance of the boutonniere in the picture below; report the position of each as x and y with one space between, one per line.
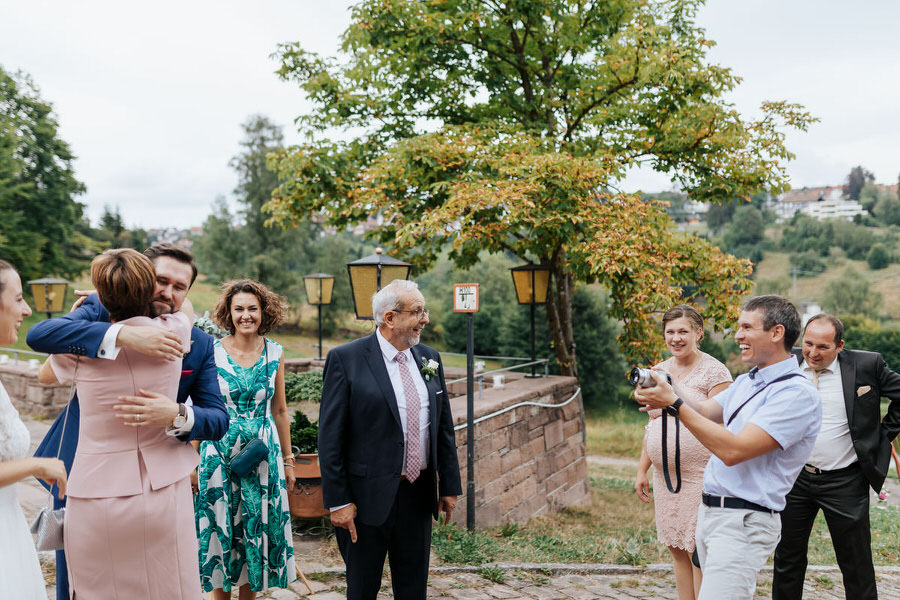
191 347
429 368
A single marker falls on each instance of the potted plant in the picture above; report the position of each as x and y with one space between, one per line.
306 497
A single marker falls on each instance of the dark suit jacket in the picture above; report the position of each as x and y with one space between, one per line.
361 442
871 434
81 332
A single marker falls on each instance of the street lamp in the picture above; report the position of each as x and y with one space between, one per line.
531 283
368 275
319 287
49 294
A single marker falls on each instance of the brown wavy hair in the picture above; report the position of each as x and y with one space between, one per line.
688 312
273 307
125 281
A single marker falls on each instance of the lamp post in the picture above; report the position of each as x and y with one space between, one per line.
319 287
531 283
49 294
368 275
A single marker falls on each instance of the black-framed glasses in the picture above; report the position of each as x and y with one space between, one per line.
419 312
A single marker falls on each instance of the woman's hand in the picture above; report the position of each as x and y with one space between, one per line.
195 482
289 477
52 471
642 486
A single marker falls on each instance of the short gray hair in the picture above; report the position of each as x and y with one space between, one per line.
390 297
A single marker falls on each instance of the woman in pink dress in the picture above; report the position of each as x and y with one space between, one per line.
129 520
698 376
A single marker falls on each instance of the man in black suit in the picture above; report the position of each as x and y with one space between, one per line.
387 449
851 454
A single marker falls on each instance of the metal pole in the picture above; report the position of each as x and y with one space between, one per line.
47 300
470 421
320 330
532 338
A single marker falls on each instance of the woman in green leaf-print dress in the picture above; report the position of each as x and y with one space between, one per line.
243 524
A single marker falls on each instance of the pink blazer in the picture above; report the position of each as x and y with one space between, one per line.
107 461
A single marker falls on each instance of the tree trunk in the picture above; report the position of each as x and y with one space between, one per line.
559 318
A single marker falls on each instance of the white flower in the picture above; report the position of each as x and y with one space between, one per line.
432 364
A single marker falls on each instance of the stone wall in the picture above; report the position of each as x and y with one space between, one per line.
302 365
29 396
529 460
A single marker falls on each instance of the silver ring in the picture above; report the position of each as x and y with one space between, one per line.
137 418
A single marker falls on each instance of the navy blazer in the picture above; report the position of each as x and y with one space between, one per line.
81 332
361 442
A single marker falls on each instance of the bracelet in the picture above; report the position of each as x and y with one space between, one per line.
287 465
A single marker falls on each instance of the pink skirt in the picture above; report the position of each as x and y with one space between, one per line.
142 546
676 514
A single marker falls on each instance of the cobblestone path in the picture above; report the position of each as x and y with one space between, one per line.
507 581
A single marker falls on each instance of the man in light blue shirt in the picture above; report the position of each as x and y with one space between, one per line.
760 431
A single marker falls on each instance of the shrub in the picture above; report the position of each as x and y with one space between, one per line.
304 434
299 387
878 257
808 263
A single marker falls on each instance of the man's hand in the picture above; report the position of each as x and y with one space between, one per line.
446 506
82 294
147 410
151 341
659 396
344 518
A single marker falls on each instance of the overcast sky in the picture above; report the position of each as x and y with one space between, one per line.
151 96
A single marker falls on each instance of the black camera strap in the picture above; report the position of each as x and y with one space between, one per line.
754 394
665 451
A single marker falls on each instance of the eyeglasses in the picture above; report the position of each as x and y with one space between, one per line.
419 313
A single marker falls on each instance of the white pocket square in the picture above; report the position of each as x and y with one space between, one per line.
863 390
439 392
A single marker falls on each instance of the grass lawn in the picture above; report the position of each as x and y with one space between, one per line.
616 431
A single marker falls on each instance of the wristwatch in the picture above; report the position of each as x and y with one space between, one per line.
181 420
673 408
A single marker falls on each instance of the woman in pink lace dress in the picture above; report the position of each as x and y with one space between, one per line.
698 376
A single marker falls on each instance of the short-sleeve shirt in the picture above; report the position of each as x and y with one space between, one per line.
790 411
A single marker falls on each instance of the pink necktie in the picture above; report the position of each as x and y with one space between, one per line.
413 454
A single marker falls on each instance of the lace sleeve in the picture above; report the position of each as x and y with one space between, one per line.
712 373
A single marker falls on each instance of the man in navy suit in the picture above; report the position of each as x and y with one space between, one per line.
86 331
387 449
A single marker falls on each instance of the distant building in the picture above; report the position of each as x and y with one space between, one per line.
819 202
807 311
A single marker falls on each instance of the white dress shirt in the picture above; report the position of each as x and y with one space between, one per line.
388 352
834 446
110 350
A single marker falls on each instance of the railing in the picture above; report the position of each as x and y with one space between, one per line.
15 352
479 377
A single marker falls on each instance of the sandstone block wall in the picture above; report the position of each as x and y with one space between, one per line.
29 396
529 460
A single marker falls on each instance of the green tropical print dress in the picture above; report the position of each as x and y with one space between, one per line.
243 524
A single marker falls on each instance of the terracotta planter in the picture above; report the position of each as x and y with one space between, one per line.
306 498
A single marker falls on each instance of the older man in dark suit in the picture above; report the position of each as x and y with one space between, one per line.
387 448
851 454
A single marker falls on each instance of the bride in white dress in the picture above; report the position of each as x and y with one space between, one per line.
20 571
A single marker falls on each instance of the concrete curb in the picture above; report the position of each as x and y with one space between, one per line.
555 569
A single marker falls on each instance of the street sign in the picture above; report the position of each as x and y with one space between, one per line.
465 297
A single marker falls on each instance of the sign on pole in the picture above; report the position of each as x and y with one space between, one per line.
465 300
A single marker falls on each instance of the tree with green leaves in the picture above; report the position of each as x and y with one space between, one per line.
43 230
851 294
479 125
856 180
